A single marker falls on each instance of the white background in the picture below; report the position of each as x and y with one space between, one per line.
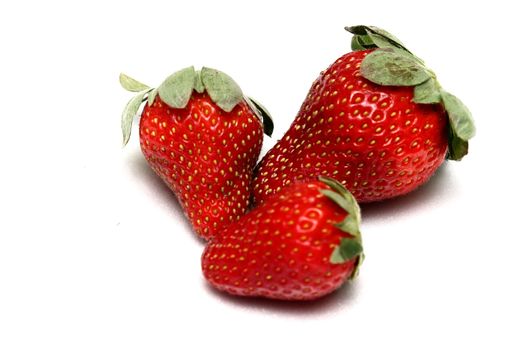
94 250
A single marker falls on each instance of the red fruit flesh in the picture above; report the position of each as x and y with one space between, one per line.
281 250
371 138
205 155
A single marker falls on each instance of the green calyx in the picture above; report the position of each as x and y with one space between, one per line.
176 91
350 247
392 64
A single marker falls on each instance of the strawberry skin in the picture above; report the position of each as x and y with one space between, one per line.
373 138
202 137
205 155
283 248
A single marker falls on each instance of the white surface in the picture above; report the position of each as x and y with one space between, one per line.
95 253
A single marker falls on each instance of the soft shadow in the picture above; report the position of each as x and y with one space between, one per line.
341 298
140 168
437 186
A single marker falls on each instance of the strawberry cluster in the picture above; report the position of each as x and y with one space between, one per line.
376 124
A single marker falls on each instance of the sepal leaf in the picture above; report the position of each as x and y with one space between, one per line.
427 92
199 86
349 224
393 67
176 90
131 84
348 207
358 263
350 247
342 197
129 113
459 115
262 113
347 249
461 126
370 37
223 90
356 44
457 148
151 96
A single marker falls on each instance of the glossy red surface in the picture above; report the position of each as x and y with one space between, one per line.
205 155
371 138
281 249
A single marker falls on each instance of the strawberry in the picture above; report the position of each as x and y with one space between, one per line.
376 120
203 138
300 244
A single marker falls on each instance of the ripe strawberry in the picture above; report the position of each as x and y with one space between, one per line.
377 120
202 137
298 245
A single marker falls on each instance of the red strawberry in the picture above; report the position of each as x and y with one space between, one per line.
377 120
202 137
299 245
